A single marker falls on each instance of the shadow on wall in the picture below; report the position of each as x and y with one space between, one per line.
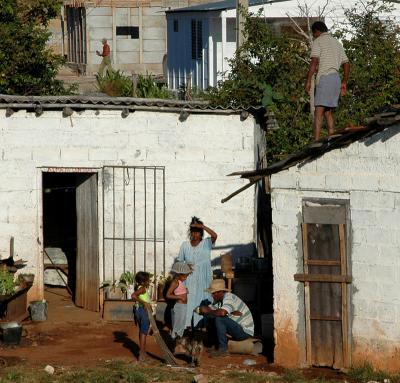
237 252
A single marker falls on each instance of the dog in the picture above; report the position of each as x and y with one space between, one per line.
191 345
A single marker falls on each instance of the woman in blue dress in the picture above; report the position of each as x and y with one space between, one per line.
197 252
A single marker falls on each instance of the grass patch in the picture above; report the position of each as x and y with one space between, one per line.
366 373
113 372
293 376
246 377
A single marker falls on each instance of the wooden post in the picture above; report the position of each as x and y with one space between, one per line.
241 10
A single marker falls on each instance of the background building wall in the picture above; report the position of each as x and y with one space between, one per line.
365 173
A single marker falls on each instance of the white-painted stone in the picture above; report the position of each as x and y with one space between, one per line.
194 184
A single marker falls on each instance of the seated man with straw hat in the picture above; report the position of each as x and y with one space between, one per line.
231 316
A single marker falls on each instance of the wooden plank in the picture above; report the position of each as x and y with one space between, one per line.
345 324
322 262
325 317
87 262
307 295
167 354
323 278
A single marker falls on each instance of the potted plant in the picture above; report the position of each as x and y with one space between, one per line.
112 290
7 284
126 283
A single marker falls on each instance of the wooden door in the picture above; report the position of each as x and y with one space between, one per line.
325 286
87 258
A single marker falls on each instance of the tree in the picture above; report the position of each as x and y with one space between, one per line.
27 66
372 43
270 61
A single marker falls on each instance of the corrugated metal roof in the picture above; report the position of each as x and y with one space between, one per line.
221 6
389 116
118 103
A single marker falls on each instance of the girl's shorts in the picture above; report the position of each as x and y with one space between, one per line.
142 320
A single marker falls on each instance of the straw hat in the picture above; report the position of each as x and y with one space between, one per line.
181 268
217 285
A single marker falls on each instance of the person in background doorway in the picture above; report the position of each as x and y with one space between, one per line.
105 54
197 253
142 298
327 56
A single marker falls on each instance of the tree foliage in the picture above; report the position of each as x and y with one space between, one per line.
27 66
280 62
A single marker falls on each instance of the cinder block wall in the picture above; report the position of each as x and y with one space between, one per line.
197 155
366 173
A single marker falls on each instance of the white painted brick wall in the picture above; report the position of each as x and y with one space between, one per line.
197 156
368 174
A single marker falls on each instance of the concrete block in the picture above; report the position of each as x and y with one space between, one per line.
153 33
364 253
389 218
127 57
371 148
154 46
46 154
101 21
128 45
75 154
312 181
153 57
366 290
365 182
361 218
285 218
17 154
103 155
386 312
338 182
369 200
96 34
285 201
389 183
284 180
155 21
153 11
98 11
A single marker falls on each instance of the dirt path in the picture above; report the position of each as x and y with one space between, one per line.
75 337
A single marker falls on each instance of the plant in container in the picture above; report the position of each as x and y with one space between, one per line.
112 290
126 283
7 284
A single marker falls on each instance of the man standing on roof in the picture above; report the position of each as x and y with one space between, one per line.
106 61
327 55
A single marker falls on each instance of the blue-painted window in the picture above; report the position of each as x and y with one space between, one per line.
176 25
197 39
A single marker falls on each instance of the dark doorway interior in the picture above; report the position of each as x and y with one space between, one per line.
60 221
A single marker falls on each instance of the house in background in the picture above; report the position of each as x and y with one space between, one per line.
202 38
335 249
135 30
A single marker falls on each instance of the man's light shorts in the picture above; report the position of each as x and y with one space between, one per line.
327 91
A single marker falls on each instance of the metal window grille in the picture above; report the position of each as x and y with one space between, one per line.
133 220
197 39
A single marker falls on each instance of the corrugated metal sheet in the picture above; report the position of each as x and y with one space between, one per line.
389 116
119 103
221 5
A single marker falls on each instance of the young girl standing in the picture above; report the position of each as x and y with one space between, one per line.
142 298
177 291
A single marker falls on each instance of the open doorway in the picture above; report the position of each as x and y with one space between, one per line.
70 235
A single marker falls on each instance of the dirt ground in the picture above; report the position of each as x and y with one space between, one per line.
75 337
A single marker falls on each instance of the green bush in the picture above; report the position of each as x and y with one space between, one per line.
147 87
115 84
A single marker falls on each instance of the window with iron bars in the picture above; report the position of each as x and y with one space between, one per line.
197 39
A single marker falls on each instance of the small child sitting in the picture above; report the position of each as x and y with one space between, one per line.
142 298
177 291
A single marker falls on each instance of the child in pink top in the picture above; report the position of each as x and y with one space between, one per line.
177 291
